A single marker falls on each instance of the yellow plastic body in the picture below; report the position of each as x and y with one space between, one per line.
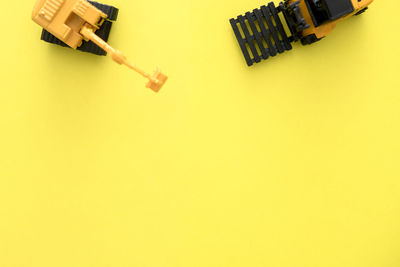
325 29
65 18
73 21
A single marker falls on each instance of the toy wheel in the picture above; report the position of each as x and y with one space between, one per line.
309 39
361 11
103 32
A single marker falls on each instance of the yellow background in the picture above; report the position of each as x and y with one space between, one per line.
291 163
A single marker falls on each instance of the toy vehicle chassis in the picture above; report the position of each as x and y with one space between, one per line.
103 32
261 33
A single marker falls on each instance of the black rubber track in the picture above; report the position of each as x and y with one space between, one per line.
260 34
103 32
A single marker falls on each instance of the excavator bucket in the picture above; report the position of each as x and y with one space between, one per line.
157 76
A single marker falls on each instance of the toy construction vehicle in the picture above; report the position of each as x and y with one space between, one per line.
85 25
261 33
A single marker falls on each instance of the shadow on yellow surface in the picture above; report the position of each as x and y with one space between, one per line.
292 162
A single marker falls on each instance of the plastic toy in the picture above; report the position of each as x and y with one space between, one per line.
76 23
103 32
261 33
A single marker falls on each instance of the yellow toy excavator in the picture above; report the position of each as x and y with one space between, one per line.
262 34
76 21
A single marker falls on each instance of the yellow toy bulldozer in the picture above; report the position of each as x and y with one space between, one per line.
261 33
75 22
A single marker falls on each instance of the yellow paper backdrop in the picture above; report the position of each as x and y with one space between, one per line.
293 162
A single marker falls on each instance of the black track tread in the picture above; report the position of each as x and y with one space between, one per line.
257 35
281 30
48 37
242 42
268 39
266 33
249 39
268 17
